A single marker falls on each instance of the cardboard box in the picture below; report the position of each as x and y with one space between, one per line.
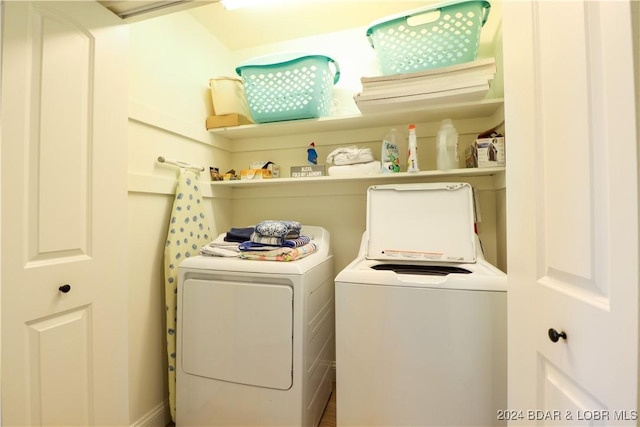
307 171
227 120
275 169
254 174
229 177
486 153
490 152
471 156
215 174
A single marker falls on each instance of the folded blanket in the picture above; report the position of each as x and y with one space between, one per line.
278 228
281 253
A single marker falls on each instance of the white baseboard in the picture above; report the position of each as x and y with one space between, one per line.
160 416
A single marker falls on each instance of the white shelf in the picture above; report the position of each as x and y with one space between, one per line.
386 178
434 112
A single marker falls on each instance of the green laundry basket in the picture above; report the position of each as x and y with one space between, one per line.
289 86
431 37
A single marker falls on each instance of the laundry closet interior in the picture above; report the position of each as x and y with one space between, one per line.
338 203
172 57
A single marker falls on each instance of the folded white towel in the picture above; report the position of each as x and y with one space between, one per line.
361 169
220 248
350 156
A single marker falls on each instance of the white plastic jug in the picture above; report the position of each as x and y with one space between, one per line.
447 146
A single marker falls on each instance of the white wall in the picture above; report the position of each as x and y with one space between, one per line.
172 59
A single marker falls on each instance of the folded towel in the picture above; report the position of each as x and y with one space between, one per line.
362 169
280 253
260 243
350 156
239 234
223 249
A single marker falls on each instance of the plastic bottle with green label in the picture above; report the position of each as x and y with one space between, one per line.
390 155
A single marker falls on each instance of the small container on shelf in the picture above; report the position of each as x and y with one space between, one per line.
447 146
412 152
487 151
227 96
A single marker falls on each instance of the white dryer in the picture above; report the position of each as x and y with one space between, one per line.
420 315
255 339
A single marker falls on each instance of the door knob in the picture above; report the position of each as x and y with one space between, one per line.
555 335
64 288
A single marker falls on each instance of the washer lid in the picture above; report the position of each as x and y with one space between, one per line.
422 222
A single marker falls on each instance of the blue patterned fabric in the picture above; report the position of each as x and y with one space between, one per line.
259 242
188 232
278 228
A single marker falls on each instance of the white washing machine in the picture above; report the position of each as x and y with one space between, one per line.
420 315
255 339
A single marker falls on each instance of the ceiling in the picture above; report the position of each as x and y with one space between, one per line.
243 28
135 10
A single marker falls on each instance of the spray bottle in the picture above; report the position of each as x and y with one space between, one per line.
412 154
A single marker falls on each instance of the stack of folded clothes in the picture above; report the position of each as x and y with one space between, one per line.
267 241
352 161
227 246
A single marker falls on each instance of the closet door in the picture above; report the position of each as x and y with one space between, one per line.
64 293
572 194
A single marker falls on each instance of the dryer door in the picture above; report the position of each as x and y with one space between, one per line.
239 332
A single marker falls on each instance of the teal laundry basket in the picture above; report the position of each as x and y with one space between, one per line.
289 86
431 37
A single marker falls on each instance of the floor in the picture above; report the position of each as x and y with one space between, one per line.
329 416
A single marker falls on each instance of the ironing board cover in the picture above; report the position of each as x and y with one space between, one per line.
188 232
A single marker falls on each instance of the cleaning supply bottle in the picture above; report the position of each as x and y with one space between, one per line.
390 156
447 146
412 153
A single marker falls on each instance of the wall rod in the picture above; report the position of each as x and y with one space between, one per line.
180 163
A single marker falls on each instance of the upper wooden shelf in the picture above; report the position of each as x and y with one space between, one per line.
427 113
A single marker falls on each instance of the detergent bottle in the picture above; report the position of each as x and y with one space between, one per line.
390 155
447 146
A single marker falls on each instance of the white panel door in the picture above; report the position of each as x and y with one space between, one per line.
572 211
64 310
